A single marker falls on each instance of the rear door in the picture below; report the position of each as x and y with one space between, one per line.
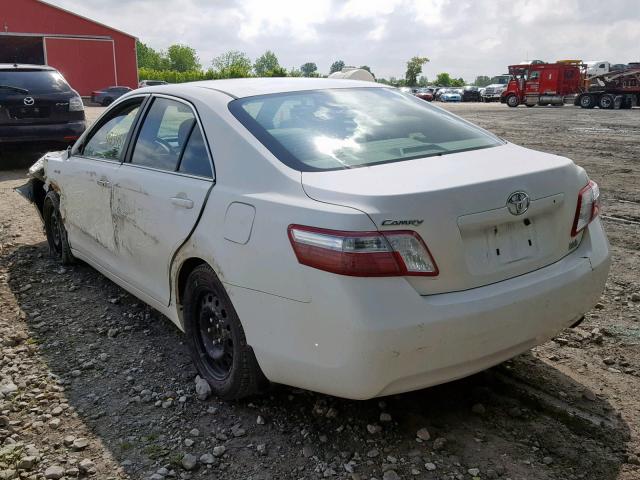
158 194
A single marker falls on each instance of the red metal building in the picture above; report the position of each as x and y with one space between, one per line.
89 54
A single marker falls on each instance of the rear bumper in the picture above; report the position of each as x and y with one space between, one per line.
362 338
58 133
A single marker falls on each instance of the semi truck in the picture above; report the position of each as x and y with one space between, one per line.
492 92
612 90
544 83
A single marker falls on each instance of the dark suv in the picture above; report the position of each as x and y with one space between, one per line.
38 105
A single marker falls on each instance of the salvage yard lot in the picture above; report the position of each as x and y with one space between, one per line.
92 362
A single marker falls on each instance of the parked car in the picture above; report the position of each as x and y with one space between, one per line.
424 94
344 238
151 83
107 95
38 105
450 95
470 94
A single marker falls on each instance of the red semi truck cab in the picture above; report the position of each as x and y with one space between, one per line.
544 83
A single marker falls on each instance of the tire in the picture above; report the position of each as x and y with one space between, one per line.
529 105
587 101
513 101
56 232
606 101
216 339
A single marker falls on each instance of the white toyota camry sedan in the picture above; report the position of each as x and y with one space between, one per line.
333 235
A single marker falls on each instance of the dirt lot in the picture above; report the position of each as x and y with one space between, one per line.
94 383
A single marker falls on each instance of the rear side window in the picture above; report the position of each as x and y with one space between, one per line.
34 81
109 139
195 159
164 135
342 128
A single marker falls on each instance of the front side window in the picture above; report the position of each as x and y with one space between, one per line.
164 135
354 127
109 139
535 75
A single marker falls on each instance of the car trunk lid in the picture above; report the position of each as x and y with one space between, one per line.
25 109
458 205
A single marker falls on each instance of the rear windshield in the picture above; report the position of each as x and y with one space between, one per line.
337 129
35 81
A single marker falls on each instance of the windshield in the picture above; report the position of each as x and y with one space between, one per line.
35 81
353 127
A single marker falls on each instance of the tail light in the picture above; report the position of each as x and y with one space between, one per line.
588 207
362 254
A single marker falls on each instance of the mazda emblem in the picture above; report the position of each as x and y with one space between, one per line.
28 101
518 203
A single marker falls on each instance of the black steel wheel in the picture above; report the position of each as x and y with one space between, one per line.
216 338
54 227
587 101
606 101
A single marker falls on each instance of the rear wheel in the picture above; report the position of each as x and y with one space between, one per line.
56 232
513 101
587 101
216 339
606 101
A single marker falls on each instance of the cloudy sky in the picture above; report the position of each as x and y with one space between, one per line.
463 37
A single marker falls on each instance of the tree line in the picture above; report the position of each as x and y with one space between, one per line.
180 63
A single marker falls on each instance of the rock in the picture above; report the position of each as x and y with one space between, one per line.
599 306
390 475
261 449
547 460
415 471
203 390
189 462
72 472
86 465
219 450
80 444
8 388
478 409
439 443
423 434
515 412
633 459
474 472
188 442
308 451
331 413
238 431
260 420
385 417
207 459
27 463
373 453
194 432
430 466
373 429
54 472
54 423
608 360
329 472
68 440
8 474
635 297
112 332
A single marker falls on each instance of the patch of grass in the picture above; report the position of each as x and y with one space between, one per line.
154 451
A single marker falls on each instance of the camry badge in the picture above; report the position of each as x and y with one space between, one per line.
28 101
414 223
518 203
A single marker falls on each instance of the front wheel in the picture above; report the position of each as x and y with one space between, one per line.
56 232
513 101
216 339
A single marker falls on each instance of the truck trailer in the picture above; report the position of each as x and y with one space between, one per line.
615 89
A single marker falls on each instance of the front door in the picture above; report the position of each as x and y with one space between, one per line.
158 195
86 189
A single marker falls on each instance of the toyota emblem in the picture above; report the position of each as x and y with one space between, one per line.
28 101
518 203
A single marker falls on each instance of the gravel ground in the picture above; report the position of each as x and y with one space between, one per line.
95 384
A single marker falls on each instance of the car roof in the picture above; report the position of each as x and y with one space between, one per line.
25 66
249 87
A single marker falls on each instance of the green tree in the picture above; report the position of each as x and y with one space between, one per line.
294 72
336 66
443 80
149 58
422 81
482 81
309 69
183 58
458 82
267 63
276 72
232 64
414 68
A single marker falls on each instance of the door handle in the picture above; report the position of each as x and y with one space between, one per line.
103 183
182 202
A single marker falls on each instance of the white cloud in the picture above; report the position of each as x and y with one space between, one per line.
463 37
